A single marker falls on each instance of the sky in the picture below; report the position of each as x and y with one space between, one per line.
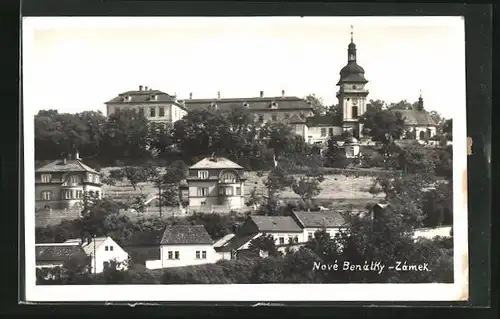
77 64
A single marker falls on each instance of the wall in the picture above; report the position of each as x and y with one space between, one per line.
48 264
187 255
224 255
210 199
170 114
102 255
280 114
286 236
314 133
331 230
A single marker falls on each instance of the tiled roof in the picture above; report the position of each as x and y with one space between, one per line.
218 163
414 117
89 247
71 165
276 224
145 238
235 243
253 103
186 234
320 219
324 120
223 241
57 252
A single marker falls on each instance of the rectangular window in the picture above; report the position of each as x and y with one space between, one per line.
46 195
106 248
282 240
110 248
45 178
238 191
204 255
142 111
261 118
161 111
323 132
117 109
197 254
309 236
203 174
274 117
96 179
152 112
74 179
177 255
170 255
79 194
229 191
330 131
202 191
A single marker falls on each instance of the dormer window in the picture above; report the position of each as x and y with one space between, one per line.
154 97
246 104
203 174
213 105
127 98
274 105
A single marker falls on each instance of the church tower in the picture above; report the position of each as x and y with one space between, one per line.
352 92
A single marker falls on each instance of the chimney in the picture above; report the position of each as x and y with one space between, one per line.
145 88
140 87
283 93
191 95
261 93
77 155
65 161
218 95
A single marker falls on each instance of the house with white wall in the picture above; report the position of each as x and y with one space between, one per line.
183 245
102 251
284 229
310 222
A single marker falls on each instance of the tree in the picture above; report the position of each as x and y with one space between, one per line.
447 129
334 156
134 174
415 159
139 203
264 243
160 137
125 135
307 187
203 132
402 105
279 137
316 104
382 125
253 199
334 110
277 180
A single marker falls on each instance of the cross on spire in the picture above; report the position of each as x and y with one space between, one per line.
420 92
352 28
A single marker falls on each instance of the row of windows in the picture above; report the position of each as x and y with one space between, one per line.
201 254
281 240
274 117
173 254
323 131
223 190
66 194
108 248
72 179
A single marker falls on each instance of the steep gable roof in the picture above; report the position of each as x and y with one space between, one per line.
414 117
186 234
58 252
295 119
320 219
144 238
275 224
70 165
215 163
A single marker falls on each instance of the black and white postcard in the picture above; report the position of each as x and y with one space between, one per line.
245 159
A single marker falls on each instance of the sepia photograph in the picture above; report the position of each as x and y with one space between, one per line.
305 157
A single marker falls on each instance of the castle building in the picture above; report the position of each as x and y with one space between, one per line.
352 91
155 105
